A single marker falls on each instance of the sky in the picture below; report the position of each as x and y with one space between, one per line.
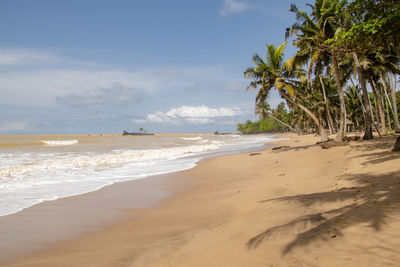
94 66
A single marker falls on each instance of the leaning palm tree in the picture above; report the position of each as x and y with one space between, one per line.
264 111
283 76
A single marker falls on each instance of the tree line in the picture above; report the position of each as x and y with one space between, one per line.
343 75
277 120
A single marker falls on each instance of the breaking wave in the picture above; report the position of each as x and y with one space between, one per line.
60 142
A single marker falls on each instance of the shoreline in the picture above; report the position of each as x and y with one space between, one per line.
259 210
165 160
31 230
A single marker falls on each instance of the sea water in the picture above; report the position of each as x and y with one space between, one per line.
36 168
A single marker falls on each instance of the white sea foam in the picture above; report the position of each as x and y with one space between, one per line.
29 164
60 142
192 138
30 177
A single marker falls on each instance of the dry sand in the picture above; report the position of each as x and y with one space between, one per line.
297 206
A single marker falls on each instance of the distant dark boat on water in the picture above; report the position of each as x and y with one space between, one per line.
127 133
218 133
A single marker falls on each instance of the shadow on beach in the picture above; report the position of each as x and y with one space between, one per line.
294 148
370 202
375 198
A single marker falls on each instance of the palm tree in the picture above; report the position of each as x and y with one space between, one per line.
353 106
264 111
387 61
328 109
372 71
368 117
312 39
395 110
275 73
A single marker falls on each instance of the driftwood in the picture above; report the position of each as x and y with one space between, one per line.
322 142
331 144
255 154
279 147
396 147
351 138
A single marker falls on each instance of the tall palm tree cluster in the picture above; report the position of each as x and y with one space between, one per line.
344 74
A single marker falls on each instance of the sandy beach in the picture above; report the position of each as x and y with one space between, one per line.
200 133
296 206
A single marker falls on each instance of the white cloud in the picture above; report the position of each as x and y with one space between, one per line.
192 115
44 78
49 87
233 7
19 57
23 57
158 117
202 112
199 120
114 94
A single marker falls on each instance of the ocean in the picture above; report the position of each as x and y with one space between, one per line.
37 168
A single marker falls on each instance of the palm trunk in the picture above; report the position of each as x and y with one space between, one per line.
395 110
387 97
321 129
362 105
371 109
374 109
387 107
368 121
329 126
359 98
328 112
384 103
380 108
341 133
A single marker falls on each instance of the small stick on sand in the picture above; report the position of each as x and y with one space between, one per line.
279 147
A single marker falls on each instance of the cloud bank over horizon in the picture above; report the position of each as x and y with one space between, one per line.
111 65
194 115
48 80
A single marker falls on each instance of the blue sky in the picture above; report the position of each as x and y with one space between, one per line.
105 66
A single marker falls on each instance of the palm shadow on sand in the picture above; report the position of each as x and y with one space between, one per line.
372 200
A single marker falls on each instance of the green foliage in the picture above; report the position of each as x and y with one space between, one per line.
353 105
271 121
375 24
398 101
261 126
337 42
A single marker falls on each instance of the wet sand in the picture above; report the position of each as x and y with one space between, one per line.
296 206
39 227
